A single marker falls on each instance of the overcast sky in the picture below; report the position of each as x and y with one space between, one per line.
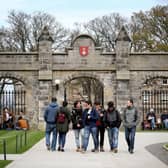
68 12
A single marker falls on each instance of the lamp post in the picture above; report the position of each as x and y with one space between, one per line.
57 82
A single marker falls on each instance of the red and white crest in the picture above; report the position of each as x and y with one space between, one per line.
84 50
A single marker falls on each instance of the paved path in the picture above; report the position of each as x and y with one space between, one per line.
39 157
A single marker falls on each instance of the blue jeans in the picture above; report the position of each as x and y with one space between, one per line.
51 128
152 122
79 133
87 131
130 137
113 137
62 139
166 123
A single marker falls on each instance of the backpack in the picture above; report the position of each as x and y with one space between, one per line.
61 118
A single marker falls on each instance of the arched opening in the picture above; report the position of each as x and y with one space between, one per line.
83 88
154 95
12 95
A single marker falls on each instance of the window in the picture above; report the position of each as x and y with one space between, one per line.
165 81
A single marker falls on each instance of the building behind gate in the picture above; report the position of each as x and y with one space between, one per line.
121 74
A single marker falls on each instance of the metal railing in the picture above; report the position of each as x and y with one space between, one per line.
20 139
14 100
3 142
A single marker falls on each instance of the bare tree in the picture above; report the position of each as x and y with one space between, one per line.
20 29
58 32
105 29
24 30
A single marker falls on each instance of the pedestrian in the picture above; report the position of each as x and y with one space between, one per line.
100 125
77 124
112 121
50 119
130 121
63 120
90 116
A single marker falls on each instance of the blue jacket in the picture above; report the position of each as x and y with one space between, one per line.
93 117
51 113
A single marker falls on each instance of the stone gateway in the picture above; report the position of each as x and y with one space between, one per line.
115 76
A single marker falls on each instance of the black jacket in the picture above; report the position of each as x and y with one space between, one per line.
76 117
112 118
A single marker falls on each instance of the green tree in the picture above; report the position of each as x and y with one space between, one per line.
150 30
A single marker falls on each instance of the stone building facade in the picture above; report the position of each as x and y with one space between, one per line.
122 74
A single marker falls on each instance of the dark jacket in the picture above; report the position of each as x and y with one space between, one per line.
164 117
76 117
149 115
63 127
51 113
112 118
90 119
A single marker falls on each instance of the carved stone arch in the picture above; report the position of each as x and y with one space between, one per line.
83 93
18 77
83 36
80 75
13 75
152 76
148 79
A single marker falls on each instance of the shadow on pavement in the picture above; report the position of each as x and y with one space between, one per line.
158 151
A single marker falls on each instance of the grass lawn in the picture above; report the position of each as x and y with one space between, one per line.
10 136
22 144
4 163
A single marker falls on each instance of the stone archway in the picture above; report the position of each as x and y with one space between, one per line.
83 87
12 94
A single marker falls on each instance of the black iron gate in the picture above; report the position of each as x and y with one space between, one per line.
156 99
14 100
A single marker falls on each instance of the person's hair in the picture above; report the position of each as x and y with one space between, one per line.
53 99
89 102
97 103
64 103
5 108
76 102
131 101
110 104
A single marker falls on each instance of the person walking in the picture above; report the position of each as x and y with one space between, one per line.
130 121
50 119
77 124
90 116
112 121
63 120
100 125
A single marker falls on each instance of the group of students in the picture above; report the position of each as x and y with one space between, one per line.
10 121
89 119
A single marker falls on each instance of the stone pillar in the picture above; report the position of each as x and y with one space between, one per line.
45 73
122 68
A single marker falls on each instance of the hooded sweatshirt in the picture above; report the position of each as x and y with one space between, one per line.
51 113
